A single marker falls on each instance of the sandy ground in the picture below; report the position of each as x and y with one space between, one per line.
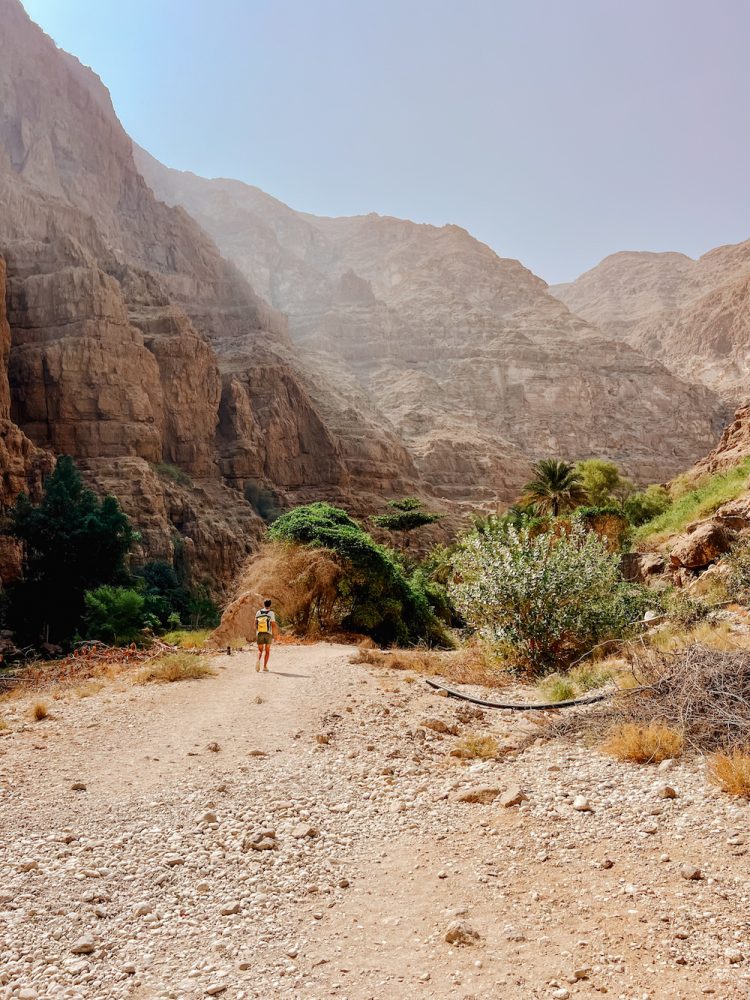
146 883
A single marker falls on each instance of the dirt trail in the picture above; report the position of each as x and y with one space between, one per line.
146 884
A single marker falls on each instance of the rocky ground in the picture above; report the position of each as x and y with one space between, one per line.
302 834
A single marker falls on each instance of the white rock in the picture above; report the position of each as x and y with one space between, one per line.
582 804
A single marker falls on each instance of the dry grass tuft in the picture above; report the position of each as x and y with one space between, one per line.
477 745
4 726
649 744
88 689
557 688
731 771
39 711
175 667
187 638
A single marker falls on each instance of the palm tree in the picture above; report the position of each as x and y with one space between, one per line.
555 487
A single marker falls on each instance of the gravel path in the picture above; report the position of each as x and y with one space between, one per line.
301 834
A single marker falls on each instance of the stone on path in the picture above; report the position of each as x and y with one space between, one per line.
460 932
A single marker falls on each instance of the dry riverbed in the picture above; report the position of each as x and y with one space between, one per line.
302 834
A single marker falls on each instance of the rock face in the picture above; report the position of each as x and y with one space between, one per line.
692 315
22 465
130 342
476 365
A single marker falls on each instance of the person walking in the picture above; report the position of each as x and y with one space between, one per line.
265 631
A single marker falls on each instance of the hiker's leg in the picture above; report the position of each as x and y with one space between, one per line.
260 653
268 653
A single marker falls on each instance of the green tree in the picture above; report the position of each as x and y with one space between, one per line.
406 516
73 542
556 487
116 615
602 482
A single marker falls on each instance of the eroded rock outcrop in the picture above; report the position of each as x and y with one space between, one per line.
692 315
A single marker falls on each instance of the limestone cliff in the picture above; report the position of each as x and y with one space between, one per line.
692 315
132 342
479 369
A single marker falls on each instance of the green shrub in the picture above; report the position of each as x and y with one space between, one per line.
380 600
557 688
602 481
167 599
685 610
116 615
647 505
174 473
544 599
737 582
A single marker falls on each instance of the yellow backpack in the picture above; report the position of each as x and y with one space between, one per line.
262 622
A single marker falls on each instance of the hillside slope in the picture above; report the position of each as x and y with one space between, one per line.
692 315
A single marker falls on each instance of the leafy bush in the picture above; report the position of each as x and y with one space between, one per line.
73 542
602 481
378 597
685 610
737 582
263 501
116 615
167 599
647 505
694 501
174 473
544 599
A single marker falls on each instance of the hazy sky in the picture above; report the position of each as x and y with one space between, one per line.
557 131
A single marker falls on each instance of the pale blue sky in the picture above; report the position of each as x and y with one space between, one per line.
557 131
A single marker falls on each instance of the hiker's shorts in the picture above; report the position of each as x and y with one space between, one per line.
264 638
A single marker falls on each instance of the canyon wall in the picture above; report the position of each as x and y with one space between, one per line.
479 369
133 345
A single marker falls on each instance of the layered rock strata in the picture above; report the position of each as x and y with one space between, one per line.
692 315
466 354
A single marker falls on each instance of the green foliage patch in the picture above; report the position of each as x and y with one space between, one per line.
696 502
381 600
543 599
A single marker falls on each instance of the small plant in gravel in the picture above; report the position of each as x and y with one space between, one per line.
480 746
731 771
4 727
175 667
649 744
556 688
39 711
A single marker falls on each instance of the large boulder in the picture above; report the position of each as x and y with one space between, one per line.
703 546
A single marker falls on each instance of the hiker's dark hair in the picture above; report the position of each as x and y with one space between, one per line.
267 602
